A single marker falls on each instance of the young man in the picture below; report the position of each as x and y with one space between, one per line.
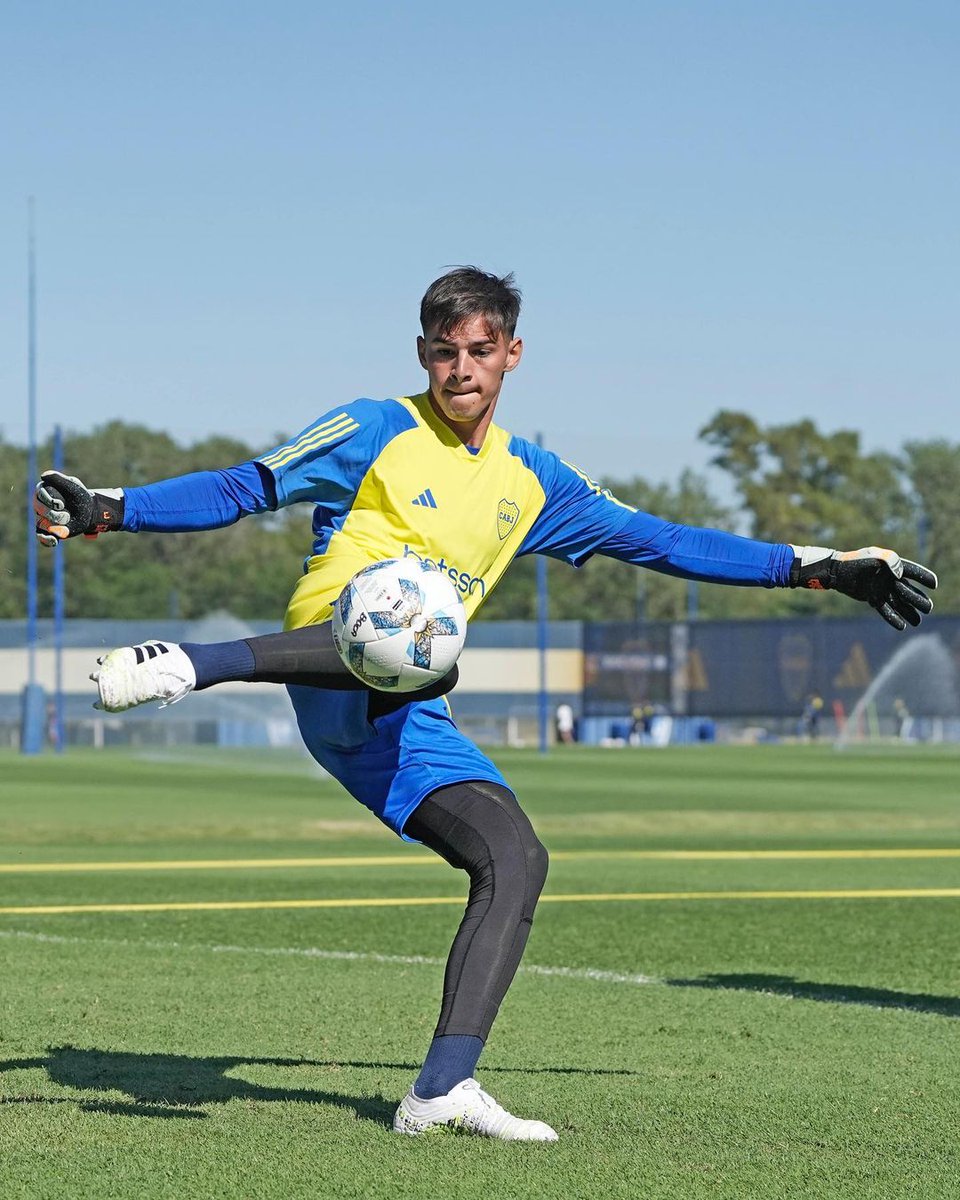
367 467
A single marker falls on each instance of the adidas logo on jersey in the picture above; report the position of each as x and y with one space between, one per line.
425 500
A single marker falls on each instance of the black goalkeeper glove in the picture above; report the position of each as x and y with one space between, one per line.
65 508
874 575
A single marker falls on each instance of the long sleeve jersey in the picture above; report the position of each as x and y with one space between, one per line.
390 480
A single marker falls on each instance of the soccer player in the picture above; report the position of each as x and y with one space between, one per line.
431 476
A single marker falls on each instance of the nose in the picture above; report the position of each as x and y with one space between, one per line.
460 370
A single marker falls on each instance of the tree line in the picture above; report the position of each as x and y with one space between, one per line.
792 482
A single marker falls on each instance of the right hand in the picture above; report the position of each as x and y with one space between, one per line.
65 507
875 575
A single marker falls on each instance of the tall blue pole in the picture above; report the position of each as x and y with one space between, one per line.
59 593
31 447
32 714
693 600
543 614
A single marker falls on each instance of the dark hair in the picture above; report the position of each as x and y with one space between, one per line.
466 292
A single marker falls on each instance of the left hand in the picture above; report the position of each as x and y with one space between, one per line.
875 575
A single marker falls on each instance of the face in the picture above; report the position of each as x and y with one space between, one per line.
466 366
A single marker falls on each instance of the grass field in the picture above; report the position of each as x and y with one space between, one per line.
219 975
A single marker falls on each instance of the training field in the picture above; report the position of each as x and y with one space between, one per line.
219 974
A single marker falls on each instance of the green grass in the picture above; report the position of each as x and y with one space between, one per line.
782 1047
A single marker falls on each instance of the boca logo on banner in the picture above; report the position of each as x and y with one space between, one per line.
508 514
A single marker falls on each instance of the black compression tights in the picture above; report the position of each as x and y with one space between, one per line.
480 828
308 657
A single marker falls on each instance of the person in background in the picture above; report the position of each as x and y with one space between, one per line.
810 718
565 725
904 719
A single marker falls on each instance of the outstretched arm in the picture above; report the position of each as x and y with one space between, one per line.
324 463
689 552
879 577
65 507
581 518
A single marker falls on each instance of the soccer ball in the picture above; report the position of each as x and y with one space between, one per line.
399 625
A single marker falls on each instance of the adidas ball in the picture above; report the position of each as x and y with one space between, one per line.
399 625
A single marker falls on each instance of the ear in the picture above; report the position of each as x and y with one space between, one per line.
514 354
422 352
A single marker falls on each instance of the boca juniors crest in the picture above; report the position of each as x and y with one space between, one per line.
508 515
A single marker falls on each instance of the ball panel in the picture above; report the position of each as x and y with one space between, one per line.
412 678
389 652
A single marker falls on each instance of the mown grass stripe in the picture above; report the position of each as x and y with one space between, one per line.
420 860
423 901
589 974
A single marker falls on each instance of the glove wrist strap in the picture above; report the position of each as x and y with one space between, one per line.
813 567
107 515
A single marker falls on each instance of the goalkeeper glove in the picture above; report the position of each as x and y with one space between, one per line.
873 574
65 508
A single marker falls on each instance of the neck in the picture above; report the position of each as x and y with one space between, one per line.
470 433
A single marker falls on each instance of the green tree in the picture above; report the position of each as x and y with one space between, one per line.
13 532
933 469
803 486
800 485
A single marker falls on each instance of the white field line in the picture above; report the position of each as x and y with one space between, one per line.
588 974
579 974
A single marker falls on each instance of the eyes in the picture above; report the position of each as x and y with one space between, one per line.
446 353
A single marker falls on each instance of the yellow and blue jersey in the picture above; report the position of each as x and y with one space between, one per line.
389 479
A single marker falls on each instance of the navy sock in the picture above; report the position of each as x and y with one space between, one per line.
219 662
450 1059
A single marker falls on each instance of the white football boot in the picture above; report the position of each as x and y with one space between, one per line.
136 675
468 1108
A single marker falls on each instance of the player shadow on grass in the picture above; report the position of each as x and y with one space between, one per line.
833 993
178 1085
174 1085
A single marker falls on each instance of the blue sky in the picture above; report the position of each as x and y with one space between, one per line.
743 205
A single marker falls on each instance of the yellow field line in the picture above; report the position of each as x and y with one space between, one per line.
222 864
420 860
420 901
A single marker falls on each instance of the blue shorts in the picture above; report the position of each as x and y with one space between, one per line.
393 762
